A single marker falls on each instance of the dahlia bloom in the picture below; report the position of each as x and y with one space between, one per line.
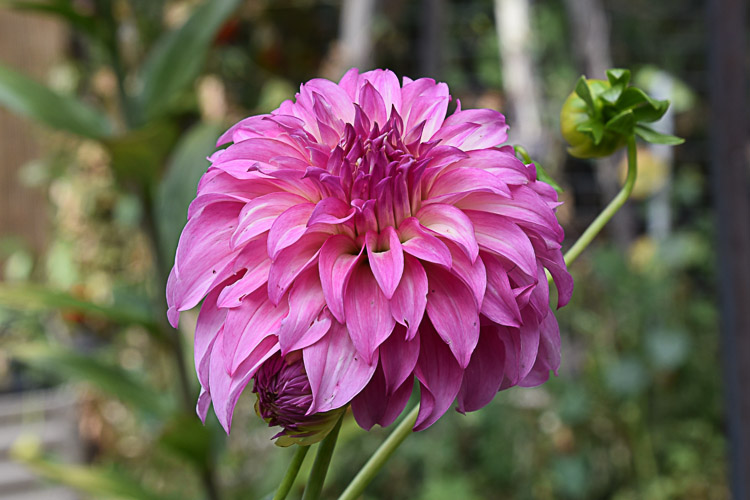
361 229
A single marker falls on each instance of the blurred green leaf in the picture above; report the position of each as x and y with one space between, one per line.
24 96
186 166
35 297
177 57
110 379
139 154
186 437
103 483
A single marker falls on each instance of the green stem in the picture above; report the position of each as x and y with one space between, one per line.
379 458
322 461
617 202
291 473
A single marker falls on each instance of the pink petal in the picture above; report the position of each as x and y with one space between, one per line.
473 274
372 104
415 240
548 357
521 348
210 320
483 376
453 312
467 180
258 216
248 325
224 389
398 357
288 228
368 314
203 257
338 257
336 370
375 405
491 129
331 210
440 378
410 299
387 85
499 303
256 263
451 223
299 328
291 261
386 259
500 236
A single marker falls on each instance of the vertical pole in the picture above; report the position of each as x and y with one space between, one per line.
729 160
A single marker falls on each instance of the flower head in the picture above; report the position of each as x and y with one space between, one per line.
360 228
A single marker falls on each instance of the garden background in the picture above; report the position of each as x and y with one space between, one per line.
109 110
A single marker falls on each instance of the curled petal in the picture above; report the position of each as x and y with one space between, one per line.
439 375
415 240
484 374
368 314
410 299
338 256
336 370
452 310
451 223
386 259
301 327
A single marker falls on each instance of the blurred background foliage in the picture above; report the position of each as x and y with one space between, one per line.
125 120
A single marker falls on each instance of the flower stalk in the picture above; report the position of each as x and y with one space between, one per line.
322 461
617 202
291 473
380 457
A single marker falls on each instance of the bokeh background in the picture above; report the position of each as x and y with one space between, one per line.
109 108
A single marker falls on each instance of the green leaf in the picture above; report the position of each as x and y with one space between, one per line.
140 154
621 123
24 96
584 92
612 94
185 436
593 127
185 168
107 378
35 297
101 482
650 135
618 76
177 57
644 107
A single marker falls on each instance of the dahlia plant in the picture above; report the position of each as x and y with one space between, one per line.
355 241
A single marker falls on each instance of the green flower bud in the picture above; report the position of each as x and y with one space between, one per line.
600 115
576 113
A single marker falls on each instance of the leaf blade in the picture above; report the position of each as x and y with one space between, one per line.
177 57
26 97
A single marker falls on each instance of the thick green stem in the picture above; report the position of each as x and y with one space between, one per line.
322 461
291 473
380 457
617 202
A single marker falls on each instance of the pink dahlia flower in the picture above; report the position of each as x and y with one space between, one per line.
361 228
